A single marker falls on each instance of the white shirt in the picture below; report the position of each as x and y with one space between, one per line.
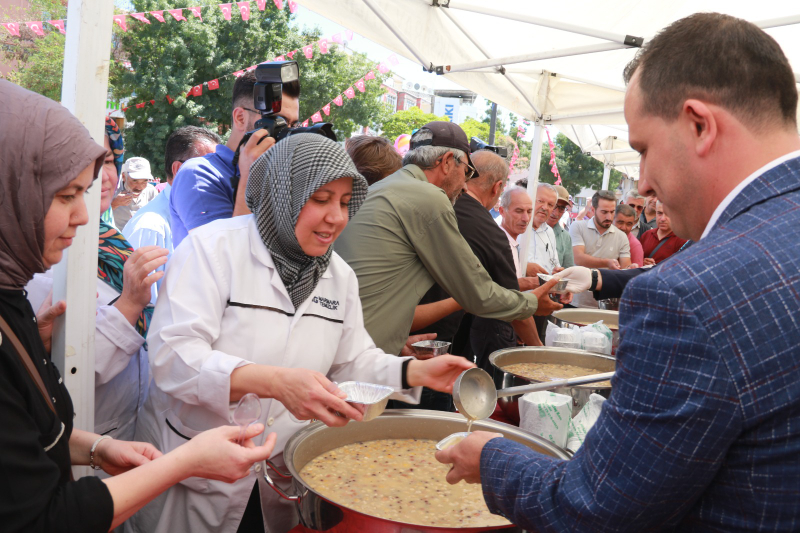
515 248
744 183
223 306
542 247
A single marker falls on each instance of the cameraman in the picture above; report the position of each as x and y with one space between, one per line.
203 189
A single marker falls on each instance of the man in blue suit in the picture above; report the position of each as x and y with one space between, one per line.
702 430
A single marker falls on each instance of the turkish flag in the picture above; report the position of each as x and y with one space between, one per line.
316 117
239 73
393 60
305 124
140 106
262 4
226 11
12 27
59 24
36 27
370 75
291 54
152 102
280 58
177 14
244 9
250 69
120 20
140 17
323 46
292 7
213 85
360 85
326 109
279 4
349 34
308 51
159 15
383 68
169 100
350 93
338 100
337 38
197 90
197 12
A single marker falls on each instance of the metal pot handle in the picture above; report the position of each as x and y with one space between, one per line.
274 486
284 475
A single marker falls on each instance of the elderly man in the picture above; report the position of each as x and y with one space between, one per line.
566 258
542 245
660 243
516 210
405 238
624 218
136 192
702 431
647 219
636 201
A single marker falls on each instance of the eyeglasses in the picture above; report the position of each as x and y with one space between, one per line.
470 170
560 207
251 110
637 207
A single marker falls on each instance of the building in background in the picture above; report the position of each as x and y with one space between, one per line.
456 104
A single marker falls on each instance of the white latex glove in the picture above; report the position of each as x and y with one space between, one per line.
580 279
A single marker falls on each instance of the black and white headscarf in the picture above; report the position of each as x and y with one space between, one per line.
280 183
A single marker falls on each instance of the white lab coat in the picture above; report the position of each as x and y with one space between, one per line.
222 305
122 372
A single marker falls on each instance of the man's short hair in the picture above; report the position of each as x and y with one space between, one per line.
603 195
720 59
633 194
374 157
243 89
505 198
548 187
625 210
491 169
425 157
181 145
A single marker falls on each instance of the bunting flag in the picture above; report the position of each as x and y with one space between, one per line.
244 9
292 6
326 109
140 106
291 54
152 102
196 11
141 17
393 60
251 68
261 4
316 117
226 11
279 4
177 14
12 27
305 124
338 101
360 85
323 46
383 68
197 90
35 27
349 34
213 85
239 73
120 20
169 101
370 75
350 93
553 167
60 25
337 38
279 58
308 51
159 15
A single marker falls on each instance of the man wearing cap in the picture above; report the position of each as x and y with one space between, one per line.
136 190
405 238
563 241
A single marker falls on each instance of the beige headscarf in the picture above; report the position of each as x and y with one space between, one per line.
42 148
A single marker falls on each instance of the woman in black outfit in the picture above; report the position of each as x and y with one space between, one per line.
47 161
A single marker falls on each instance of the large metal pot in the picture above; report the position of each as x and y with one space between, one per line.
582 317
535 354
320 514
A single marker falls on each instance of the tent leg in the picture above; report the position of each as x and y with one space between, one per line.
493 123
606 176
533 184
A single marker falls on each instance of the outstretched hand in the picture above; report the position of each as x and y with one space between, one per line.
118 456
309 394
215 454
546 304
466 457
438 373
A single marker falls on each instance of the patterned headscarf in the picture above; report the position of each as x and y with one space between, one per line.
118 149
280 183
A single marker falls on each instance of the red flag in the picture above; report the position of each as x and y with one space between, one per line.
141 17
152 102
370 75
349 34
140 106
262 4
308 51
337 38
316 117
12 27
159 15
338 100
244 9
226 11
291 54
124 109
327 108
238 73
59 24
197 12
177 14
280 58
350 93
383 68
393 60
197 90
36 27
213 85
292 7
250 69
169 100
360 85
305 124
279 4
323 46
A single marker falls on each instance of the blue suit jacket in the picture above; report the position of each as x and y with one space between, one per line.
702 430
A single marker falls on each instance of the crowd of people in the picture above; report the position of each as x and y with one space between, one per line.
309 263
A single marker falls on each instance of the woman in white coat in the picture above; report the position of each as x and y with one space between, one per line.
261 303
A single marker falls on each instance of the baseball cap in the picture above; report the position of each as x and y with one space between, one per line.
563 193
138 168
448 135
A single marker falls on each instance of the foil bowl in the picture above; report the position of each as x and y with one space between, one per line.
428 349
560 286
369 398
451 440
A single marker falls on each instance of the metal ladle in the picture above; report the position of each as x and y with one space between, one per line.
475 396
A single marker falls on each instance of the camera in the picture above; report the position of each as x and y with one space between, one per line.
476 144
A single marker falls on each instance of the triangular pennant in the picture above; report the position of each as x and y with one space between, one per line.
141 17
124 109
120 21
169 100
370 75
177 14
338 100
383 68
244 9
337 38
393 60
350 93
316 117
279 4
226 11
326 109
349 34
36 27
308 51
197 12
239 73
262 4
140 106
279 58
252 68
305 124
213 85
291 54
293 8
197 90
323 46
159 15
360 85
152 102
59 24
12 27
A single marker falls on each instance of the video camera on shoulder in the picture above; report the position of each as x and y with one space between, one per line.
476 144
267 98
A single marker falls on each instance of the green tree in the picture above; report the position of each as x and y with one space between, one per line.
473 128
500 126
577 169
406 122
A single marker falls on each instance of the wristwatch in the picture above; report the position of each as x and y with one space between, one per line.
595 274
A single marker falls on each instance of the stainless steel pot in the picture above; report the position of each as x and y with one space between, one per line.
320 514
582 317
533 354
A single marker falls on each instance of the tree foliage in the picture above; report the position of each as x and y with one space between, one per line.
407 121
577 169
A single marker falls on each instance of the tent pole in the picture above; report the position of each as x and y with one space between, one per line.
524 58
606 177
553 118
427 65
776 22
493 123
84 92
